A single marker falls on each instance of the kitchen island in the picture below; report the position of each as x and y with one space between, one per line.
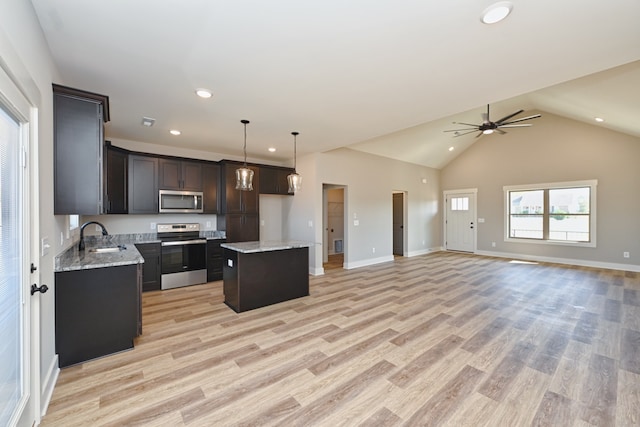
257 274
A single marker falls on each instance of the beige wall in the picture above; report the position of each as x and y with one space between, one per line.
555 149
369 183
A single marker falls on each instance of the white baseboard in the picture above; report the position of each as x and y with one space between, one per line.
370 261
425 251
568 261
48 383
316 271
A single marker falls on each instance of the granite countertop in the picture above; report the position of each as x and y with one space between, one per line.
253 247
73 259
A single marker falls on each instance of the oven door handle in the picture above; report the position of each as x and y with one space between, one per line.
184 242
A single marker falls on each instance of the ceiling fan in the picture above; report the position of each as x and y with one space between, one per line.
487 126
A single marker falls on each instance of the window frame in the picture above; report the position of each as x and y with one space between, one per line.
592 184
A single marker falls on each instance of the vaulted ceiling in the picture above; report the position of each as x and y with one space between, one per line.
379 76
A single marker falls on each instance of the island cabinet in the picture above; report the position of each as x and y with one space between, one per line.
211 187
78 143
97 312
143 184
273 180
151 269
115 179
259 274
240 208
178 174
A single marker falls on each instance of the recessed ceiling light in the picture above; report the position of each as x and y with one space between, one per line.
272 149
148 121
175 132
451 148
598 119
204 93
496 12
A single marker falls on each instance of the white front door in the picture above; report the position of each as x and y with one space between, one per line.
460 221
19 372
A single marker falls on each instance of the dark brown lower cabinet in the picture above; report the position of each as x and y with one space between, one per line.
151 269
214 259
97 312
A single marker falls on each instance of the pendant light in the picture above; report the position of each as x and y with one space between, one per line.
294 180
244 175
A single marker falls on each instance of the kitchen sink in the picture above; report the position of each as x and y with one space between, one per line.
108 250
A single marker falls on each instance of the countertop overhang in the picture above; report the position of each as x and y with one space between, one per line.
265 246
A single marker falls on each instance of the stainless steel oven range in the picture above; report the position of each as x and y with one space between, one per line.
183 255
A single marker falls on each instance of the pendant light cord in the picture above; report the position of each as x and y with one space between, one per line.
295 155
245 141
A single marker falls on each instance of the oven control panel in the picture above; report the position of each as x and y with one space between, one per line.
177 228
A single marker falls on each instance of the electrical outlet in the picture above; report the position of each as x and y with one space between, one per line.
61 239
208 224
356 222
152 226
310 223
493 244
374 250
625 254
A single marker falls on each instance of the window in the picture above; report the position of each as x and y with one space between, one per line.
459 203
560 213
74 222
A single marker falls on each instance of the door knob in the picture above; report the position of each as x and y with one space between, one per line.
43 289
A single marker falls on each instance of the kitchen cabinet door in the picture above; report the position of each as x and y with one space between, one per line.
237 201
274 180
242 227
211 187
115 180
78 120
175 174
214 259
151 268
143 185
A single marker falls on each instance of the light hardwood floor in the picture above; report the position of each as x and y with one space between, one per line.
442 339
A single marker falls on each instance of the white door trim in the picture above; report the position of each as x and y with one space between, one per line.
446 195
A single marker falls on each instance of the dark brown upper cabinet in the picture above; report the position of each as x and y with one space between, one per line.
237 201
175 174
115 179
211 187
273 180
78 144
143 184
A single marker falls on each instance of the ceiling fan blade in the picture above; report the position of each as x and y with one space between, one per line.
468 132
466 124
516 126
535 116
500 131
461 130
508 117
479 135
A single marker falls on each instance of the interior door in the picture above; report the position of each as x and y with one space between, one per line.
19 358
460 221
398 224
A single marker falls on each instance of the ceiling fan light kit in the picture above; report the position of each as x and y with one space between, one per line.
488 127
496 12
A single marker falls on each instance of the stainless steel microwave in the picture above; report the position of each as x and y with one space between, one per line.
180 201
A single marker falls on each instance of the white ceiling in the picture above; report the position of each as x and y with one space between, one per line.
387 76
